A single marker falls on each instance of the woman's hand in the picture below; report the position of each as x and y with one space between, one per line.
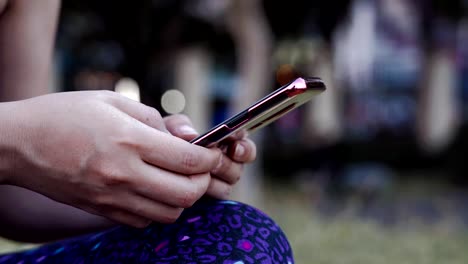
108 155
227 173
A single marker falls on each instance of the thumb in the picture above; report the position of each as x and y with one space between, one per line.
180 126
143 113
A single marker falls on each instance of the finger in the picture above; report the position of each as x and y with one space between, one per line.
143 113
231 139
228 170
241 134
172 189
180 126
149 209
112 209
126 218
243 151
175 154
219 189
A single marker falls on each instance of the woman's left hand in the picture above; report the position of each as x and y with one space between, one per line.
237 151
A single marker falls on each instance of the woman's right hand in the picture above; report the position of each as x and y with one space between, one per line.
105 154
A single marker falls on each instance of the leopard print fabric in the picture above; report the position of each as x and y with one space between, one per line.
212 231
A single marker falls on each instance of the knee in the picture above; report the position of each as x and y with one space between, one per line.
240 228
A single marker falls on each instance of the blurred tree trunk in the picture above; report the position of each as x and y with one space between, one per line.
253 40
438 116
192 73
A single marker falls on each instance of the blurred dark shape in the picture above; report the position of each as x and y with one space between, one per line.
298 17
134 39
368 178
381 71
286 74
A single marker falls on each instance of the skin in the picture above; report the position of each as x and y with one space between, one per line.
27 30
238 151
68 158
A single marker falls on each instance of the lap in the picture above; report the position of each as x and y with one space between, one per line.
212 231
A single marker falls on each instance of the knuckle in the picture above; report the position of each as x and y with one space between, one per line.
205 183
124 137
138 209
236 178
198 187
113 177
188 198
141 223
105 95
227 191
222 166
152 117
220 191
218 158
154 113
190 161
172 216
238 174
102 200
108 174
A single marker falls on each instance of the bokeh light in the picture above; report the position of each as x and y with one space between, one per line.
128 88
173 101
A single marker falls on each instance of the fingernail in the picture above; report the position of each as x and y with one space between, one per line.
240 150
187 130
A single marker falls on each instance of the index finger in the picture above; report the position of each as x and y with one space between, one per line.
172 153
243 150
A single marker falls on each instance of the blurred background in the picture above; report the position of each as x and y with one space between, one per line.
371 171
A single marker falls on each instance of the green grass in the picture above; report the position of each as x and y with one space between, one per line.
350 241
346 239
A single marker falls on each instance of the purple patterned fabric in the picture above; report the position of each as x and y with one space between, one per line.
212 231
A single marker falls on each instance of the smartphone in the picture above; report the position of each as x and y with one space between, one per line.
264 111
